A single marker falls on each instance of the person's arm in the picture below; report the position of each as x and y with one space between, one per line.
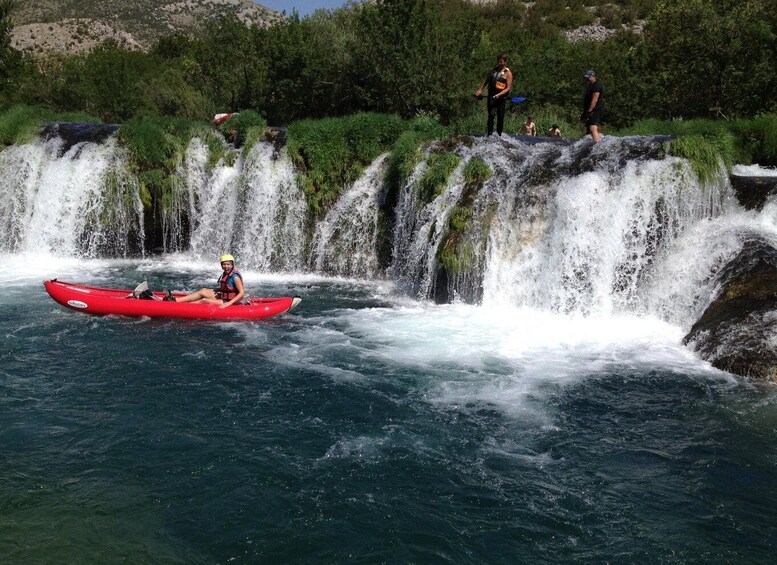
241 292
483 84
594 100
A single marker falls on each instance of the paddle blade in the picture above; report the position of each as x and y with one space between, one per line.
141 287
139 290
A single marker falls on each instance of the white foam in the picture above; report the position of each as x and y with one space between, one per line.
753 171
508 359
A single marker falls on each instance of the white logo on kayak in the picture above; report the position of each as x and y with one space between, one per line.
76 304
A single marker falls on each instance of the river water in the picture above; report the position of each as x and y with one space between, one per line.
367 427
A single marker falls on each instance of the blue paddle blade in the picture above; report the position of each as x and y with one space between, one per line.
518 99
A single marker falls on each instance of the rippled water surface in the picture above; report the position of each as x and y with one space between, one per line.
367 427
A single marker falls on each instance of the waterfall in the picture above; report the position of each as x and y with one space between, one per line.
345 241
602 237
419 231
213 200
80 202
579 228
249 205
271 234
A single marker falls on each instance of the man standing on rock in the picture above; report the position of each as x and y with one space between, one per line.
593 104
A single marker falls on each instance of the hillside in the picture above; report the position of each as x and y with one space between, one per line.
68 25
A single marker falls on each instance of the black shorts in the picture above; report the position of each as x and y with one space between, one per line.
595 119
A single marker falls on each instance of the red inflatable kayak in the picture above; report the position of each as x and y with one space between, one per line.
102 301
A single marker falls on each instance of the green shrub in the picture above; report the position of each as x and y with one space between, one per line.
758 138
157 142
459 218
435 179
742 140
476 171
332 152
243 129
406 152
705 153
454 256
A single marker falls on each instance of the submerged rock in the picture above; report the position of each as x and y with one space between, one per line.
738 331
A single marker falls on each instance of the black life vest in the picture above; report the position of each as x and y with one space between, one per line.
497 82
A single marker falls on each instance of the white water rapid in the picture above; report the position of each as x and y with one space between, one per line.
584 230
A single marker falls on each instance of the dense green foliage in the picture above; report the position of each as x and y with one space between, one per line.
695 58
333 152
407 150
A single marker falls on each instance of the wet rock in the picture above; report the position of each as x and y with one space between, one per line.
753 191
73 133
738 331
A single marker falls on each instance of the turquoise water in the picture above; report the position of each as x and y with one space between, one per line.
368 428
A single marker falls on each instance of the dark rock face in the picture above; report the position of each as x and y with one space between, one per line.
738 331
752 192
73 133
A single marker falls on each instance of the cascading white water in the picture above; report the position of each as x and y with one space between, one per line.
81 202
270 233
252 208
345 241
213 199
598 234
572 228
420 229
605 238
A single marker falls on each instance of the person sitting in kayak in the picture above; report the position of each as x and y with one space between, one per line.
230 290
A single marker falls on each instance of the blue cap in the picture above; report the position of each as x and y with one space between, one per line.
589 74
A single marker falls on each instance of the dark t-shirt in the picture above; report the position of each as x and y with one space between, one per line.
589 94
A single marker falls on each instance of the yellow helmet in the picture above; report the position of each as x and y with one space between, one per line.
226 257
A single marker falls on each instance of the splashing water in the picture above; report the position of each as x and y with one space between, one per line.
81 202
270 233
592 234
252 208
345 242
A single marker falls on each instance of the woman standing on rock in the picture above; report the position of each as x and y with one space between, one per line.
499 81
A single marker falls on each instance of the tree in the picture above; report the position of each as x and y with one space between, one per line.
713 56
416 56
231 73
9 58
